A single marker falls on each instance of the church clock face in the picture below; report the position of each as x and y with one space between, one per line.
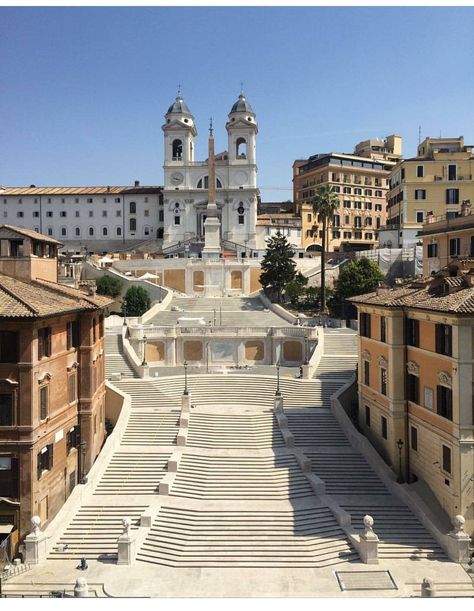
241 178
177 178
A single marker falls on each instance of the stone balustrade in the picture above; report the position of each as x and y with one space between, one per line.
154 332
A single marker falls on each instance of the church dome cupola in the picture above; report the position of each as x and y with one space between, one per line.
242 106
179 107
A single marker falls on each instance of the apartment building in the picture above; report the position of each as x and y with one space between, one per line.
360 181
416 366
86 214
434 182
287 224
448 240
52 388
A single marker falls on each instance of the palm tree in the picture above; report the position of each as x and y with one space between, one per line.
325 203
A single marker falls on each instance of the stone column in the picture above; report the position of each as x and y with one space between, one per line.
35 543
458 541
126 544
369 542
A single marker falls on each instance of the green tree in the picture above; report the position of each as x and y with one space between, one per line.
278 267
325 203
137 301
107 285
358 277
296 288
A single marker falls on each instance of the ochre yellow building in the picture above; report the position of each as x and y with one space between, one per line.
436 181
360 181
416 366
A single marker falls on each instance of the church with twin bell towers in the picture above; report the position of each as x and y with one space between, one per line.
210 206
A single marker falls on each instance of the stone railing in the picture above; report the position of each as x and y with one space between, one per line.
137 331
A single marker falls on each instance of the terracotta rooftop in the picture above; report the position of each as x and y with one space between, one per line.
127 190
441 294
29 233
19 299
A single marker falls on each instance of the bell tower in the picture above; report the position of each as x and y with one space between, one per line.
179 132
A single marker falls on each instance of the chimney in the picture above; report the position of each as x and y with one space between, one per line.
32 186
137 183
382 289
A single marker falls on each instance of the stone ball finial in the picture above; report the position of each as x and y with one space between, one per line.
126 523
368 523
35 523
458 522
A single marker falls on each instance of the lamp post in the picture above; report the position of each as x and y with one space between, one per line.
186 378
83 448
400 478
278 392
124 311
144 363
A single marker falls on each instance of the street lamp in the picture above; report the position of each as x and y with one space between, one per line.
144 363
186 378
278 392
83 448
124 311
400 479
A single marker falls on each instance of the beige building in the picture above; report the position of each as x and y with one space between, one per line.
416 373
436 181
448 240
360 179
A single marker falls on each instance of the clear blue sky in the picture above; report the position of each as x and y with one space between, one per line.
84 90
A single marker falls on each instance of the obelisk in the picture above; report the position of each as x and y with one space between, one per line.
212 224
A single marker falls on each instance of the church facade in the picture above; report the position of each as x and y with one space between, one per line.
186 181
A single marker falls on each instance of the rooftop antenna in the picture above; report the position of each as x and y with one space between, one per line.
419 134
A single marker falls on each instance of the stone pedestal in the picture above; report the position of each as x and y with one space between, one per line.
126 549
185 403
212 246
306 372
81 589
278 403
369 543
458 541
35 543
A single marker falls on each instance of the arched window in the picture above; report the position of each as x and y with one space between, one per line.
204 183
118 231
133 224
241 148
105 231
77 232
241 213
91 230
177 150
63 231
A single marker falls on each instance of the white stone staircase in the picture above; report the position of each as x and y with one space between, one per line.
115 359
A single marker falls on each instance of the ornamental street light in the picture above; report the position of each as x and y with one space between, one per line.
186 378
83 449
400 478
144 340
278 392
124 311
